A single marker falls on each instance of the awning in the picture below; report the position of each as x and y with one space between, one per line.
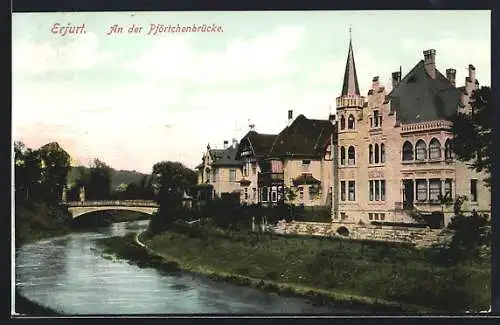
305 179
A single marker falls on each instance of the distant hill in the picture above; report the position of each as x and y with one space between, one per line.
117 176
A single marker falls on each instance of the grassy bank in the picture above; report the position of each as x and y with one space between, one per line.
126 248
39 220
378 271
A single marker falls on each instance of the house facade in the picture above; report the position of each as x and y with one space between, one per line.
395 147
219 173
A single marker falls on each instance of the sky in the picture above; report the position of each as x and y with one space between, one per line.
133 99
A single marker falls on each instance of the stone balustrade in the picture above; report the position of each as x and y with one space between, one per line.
135 203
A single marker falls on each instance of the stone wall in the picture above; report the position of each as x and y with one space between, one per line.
416 236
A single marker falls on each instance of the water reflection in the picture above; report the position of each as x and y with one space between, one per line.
69 274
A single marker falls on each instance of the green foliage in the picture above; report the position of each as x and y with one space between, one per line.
99 183
378 270
473 137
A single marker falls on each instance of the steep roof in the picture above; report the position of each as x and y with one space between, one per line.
304 137
350 85
260 142
224 157
418 97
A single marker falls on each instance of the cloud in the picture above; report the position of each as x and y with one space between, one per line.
263 57
79 53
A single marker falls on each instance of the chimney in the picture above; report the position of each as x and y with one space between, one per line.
396 78
290 116
472 73
225 144
235 143
375 83
430 62
450 75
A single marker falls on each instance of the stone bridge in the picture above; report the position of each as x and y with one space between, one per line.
80 208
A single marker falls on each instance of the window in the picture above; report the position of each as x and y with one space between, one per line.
350 122
264 194
342 122
375 119
342 155
447 187
377 190
311 193
421 190
254 168
371 122
448 150
254 194
370 154
434 189
245 169
305 165
434 149
382 153
473 190
370 216
376 216
382 216
342 191
407 151
352 190
232 175
301 193
246 193
351 155
376 153
420 150
274 194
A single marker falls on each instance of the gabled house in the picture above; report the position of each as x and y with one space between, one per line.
219 173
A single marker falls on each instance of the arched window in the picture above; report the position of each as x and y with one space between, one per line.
434 149
420 150
382 153
376 153
350 122
342 155
448 149
407 151
342 122
351 156
370 154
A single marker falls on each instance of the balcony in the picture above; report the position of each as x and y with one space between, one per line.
269 178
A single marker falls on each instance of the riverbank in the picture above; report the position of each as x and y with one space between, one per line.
129 248
25 307
369 274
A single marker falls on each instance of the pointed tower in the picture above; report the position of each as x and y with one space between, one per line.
350 99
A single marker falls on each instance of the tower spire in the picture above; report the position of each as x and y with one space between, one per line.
350 86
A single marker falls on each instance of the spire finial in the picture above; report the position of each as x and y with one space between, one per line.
350 33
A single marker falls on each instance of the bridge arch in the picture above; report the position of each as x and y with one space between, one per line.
78 209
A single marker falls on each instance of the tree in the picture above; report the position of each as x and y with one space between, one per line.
171 179
99 186
27 172
472 141
56 163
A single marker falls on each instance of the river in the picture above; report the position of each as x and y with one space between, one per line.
70 274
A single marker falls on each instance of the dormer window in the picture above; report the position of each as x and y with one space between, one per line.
305 165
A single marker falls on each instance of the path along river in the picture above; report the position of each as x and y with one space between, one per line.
69 274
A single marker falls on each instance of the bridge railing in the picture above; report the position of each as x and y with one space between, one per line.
134 203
